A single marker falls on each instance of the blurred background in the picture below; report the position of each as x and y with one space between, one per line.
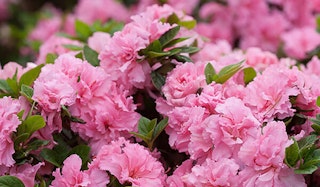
17 18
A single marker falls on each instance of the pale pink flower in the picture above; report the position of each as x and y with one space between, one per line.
70 174
130 163
259 59
9 121
10 68
182 82
90 11
98 41
268 97
55 45
273 177
267 150
212 51
186 6
222 172
298 42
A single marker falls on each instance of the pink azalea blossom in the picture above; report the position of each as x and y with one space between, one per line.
222 172
9 122
130 163
26 173
298 42
70 174
98 41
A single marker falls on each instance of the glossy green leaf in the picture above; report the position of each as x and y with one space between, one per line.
31 124
83 151
50 156
30 76
316 128
50 58
141 136
158 80
169 35
249 74
173 18
144 126
36 143
306 169
182 58
21 138
318 101
26 91
227 72
13 84
4 86
160 127
174 42
82 29
10 181
91 56
210 73
190 24
292 154
153 54
72 47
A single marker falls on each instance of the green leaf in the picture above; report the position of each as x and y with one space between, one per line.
83 151
10 181
188 24
141 136
249 74
159 128
227 72
91 56
4 86
182 58
189 49
26 91
83 30
316 128
72 47
50 58
143 125
153 54
318 23
77 120
13 84
31 124
173 18
175 41
157 79
306 169
169 35
50 156
30 76
318 101
21 138
210 73
36 143
292 154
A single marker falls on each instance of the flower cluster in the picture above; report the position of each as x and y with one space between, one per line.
160 100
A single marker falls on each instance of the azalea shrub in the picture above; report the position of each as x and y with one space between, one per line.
165 93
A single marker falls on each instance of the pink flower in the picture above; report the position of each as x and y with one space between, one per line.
259 59
130 163
268 97
267 150
222 172
298 42
98 41
54 44
26 173
107 115
176 179
70 175
9 121
90 11
272 177
10 68
182 82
